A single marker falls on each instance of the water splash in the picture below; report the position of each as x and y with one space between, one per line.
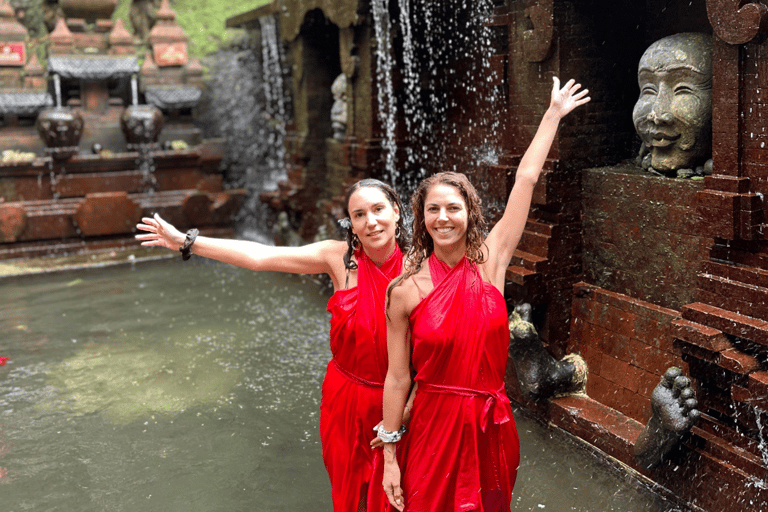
762 436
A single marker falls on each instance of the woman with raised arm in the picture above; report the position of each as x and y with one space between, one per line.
447 318
361 269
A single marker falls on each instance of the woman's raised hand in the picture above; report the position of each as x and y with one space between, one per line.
159 233
568 97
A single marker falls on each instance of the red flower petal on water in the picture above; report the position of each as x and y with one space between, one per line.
4 360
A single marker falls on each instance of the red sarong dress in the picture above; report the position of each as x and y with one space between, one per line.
462 450
354 382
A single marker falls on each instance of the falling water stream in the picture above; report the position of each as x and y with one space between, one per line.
177 386
57 89
275 98
387 102
440 50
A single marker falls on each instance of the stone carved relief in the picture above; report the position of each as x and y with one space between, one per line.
673 115
735 23
537 43
339 108
674 404
143 15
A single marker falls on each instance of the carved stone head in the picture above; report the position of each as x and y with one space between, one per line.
339 108
673 115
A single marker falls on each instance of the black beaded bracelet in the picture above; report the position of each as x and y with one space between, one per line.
186 247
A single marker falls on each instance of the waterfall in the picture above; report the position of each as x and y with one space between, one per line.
275 97
447 50
386 95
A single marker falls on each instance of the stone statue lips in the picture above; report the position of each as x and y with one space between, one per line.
662 140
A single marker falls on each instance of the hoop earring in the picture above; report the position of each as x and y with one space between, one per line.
355 243
397 231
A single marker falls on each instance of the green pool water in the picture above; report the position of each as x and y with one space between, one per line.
171 386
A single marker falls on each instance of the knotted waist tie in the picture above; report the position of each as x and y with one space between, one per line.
354 378
495 401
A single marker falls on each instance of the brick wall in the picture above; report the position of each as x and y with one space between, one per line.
627 344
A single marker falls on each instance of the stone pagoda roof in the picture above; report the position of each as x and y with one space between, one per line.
173 97
24 103
93 67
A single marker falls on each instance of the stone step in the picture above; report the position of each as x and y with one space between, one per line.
729 322
744 295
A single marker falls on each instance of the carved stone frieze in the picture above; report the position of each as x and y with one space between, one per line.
735 23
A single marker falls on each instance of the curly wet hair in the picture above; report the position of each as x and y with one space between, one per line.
394 200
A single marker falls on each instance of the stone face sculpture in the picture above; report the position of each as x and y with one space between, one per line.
674 413
339 108
539 374
673 114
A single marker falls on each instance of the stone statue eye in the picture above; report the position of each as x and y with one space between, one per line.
648 89
684 89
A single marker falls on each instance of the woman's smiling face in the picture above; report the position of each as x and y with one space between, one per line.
445 215
374 218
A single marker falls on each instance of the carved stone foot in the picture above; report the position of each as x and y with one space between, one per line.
674 413
539 374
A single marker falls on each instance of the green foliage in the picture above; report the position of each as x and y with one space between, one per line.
122 11
204 22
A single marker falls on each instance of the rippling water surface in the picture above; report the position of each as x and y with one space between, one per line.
196 386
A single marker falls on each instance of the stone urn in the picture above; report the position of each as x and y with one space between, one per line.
141 125
61 129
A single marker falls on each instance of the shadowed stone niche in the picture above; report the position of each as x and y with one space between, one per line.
673 115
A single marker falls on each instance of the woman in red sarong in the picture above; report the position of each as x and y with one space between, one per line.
448 319
361 269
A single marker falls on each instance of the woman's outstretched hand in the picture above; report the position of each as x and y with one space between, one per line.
568 97
159 233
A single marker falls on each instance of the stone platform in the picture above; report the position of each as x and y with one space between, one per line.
93 202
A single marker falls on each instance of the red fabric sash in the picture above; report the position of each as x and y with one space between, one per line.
354 378
494 403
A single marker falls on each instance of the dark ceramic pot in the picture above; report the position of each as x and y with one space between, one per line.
61 129
141 125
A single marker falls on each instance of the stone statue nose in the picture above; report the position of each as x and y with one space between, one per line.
663 118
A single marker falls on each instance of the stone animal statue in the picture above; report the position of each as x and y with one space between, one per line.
540 375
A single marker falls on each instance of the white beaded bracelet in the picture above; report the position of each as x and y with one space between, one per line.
390 437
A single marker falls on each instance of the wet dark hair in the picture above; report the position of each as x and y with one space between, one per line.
394 200
422 245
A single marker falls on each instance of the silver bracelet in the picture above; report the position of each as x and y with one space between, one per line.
390 437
